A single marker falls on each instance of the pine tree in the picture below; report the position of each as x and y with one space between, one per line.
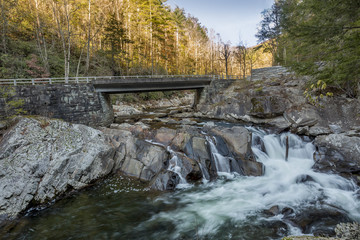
115 35
322 39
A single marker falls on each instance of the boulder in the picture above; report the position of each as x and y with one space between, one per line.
268 106
237 146
135 157
237 138
321 219
301 116
165 181
190 169
180 140
197 149
252 168
338 153
125 110
153 157
41 159
319 130
273 211
165 135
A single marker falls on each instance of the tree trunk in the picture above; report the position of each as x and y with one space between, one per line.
88 42
64 40
40 39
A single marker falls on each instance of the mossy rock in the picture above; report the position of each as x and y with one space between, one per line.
257 106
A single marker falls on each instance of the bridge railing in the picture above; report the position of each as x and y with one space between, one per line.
82 80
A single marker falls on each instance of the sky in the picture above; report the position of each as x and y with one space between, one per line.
234 20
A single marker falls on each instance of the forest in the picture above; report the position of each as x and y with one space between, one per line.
70 38
318 38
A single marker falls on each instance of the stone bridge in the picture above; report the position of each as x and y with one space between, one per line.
86 100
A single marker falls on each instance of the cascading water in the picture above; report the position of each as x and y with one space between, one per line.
235 209
176 166
289 199
222 163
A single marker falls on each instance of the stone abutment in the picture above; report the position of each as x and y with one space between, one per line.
75 103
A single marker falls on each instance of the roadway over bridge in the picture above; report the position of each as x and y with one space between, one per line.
150 83
87 99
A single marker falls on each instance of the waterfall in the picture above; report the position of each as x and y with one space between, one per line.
222 163
291 186
175 165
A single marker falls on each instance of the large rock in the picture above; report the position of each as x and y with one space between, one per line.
237 138
238 146
125 110
135 157
268 106
152 161
165 135
248 101
165 181
338 153
40 160
197 148
300 116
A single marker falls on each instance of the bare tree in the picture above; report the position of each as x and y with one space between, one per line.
252 57
240 53
225 56
62 15
39 34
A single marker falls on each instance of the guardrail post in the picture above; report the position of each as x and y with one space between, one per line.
32 81
14 82
87 79
50 81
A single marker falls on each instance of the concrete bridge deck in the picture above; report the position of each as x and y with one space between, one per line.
146 84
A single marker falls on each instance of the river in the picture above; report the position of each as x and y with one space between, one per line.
289 199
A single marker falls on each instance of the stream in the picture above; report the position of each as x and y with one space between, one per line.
290 199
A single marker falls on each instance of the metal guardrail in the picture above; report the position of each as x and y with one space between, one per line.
83 80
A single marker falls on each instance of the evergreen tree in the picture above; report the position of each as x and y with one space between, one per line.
322 39
270 29
115 35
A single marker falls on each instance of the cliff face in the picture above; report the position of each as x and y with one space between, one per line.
274 97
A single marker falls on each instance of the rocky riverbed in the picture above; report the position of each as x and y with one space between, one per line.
42 160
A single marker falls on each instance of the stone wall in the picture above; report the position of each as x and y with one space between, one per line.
268 73
216 88
73 103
